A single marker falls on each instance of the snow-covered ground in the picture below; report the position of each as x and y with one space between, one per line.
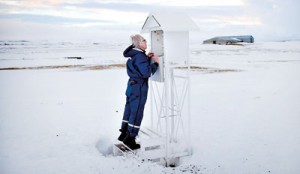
65 120
45 53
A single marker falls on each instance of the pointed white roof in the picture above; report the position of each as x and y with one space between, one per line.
168 21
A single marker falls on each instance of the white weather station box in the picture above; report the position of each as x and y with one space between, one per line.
169 33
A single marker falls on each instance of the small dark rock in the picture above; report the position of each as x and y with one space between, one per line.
74 58
172 165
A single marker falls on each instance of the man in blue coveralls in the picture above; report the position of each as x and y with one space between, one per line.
139 69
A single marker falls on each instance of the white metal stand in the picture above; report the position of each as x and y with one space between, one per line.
170 111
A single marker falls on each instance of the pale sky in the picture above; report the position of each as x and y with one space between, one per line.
116 20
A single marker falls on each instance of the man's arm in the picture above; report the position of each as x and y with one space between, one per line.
143 66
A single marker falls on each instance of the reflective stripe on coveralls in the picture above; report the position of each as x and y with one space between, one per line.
124 121
133 126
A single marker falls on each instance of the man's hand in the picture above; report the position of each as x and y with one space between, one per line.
155 58
150 55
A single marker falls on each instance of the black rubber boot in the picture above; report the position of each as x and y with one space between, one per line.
130 142
123 135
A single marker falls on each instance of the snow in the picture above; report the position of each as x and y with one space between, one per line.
65 120
44 53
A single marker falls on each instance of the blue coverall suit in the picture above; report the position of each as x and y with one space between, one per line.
139 69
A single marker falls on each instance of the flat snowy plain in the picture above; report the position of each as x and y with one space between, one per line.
245 109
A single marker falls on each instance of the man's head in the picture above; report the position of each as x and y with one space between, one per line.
139 42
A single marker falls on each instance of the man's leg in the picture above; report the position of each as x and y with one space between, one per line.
134 107
134 102
140 112
126 115
124 125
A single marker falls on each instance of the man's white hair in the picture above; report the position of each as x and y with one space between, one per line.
136 40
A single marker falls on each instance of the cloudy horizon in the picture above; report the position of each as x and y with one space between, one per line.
115 20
